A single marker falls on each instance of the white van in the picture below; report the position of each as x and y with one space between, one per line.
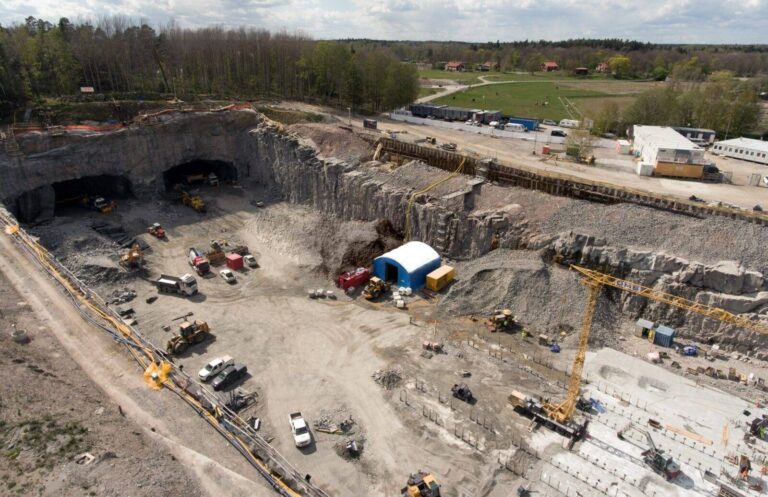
514 127
569 123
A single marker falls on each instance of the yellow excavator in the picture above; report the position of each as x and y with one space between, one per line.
560 415
133 258
421 484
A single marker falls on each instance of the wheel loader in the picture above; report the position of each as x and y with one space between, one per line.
502 320
190 333
375 288
421 484
133 258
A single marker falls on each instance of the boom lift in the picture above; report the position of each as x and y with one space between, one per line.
561 414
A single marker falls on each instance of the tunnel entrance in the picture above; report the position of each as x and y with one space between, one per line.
197 173
83 191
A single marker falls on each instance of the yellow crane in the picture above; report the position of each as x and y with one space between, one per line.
595 281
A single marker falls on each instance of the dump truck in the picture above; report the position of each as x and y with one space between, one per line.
100 204
190 333
421 484
299 429
375 288
198 261
186 285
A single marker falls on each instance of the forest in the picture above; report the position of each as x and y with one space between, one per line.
127 59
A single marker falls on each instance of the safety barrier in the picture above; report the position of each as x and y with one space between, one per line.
271 465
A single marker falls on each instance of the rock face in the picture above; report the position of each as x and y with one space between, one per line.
259 152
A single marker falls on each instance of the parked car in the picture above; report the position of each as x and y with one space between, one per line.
215 367
549 122
250 260
228 276
230 375
558 132
469 123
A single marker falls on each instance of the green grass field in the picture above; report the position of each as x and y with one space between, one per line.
426 91
461 77
522 99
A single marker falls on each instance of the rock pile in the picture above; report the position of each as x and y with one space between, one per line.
388 378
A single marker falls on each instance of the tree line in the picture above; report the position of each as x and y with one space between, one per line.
722 103
116 55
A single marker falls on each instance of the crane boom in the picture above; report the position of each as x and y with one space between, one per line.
703 309
595 280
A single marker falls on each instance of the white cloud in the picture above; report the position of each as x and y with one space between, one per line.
664 21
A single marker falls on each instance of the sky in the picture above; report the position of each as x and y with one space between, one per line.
658 21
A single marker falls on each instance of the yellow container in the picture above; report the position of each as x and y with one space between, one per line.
440 277
678 170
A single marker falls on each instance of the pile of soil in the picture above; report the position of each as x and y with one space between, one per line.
334 141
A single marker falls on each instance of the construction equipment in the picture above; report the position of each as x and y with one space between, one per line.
353 279
156 230
194 201
133 258
594 280
653 456
190 333
375 288
462 392
216 255
502 320
100 204
198 261
435 347
186 285
421 484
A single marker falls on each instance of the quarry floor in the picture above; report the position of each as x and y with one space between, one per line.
317 357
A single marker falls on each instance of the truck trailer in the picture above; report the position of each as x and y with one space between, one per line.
186 285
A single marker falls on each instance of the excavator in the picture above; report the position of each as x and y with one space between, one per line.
190 333
133 258
653 456
559 415
421 484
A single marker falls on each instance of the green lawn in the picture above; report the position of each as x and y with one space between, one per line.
532 99
462 77
426 91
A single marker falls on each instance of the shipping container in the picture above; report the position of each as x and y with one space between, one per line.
663 336
440 277
569 123
234 261
528 123
672 170
491 115
644 169
622 146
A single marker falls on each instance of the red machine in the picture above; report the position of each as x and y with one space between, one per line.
198 261
234 261
356 278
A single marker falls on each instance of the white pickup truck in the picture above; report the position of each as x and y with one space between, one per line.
215 367
301 435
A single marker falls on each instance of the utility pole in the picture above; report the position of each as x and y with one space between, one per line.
349 116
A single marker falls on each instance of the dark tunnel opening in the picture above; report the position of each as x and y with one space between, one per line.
198 173
83 191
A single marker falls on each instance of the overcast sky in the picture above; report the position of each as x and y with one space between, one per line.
662 21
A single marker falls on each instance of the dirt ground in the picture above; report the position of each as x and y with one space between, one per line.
41 439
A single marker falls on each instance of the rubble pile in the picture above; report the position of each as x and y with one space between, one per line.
388 378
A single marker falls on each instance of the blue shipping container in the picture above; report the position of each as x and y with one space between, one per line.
664 336
529 123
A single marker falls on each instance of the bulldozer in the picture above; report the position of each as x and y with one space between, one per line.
375 288
190 333
502 320
133 258
421 484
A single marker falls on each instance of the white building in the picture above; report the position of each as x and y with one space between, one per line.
743 148
654 144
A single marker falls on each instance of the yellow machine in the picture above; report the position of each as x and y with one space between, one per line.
190 333
421 485
216 255
375 287
502 320
563 412
194 201
133 258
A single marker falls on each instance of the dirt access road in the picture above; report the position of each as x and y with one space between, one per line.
155 445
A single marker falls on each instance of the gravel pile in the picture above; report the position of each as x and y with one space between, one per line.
388 378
